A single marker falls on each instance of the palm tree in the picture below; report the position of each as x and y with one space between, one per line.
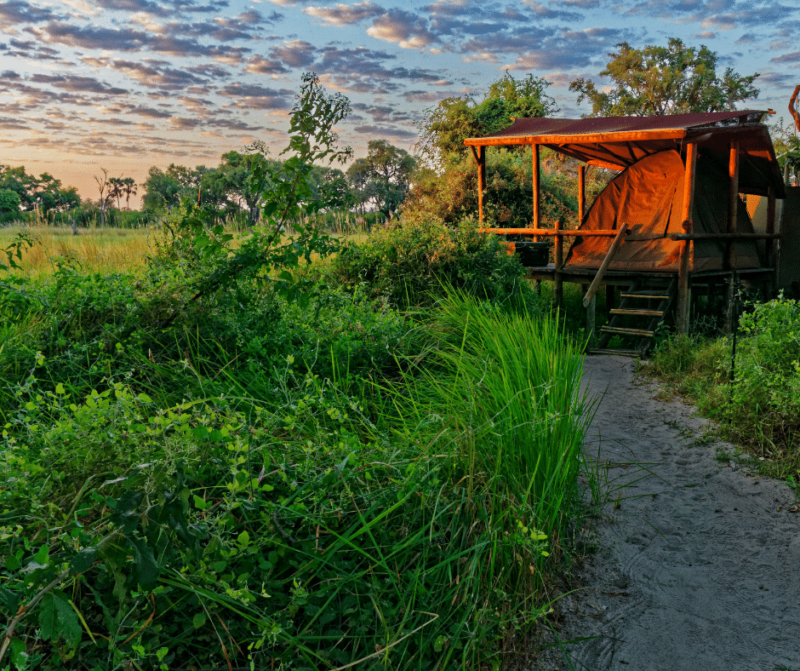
129 186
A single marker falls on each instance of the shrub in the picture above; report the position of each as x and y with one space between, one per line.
411 262
761 408
299 530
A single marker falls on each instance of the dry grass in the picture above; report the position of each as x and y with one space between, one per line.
93 248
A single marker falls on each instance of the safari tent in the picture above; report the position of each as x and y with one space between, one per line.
671 221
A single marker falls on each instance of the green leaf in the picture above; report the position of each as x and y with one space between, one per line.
82 561
58 620
60 389
199 620
147 568
42 556
199 503
243 539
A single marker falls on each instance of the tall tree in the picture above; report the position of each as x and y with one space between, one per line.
107 193
381 179
445 127
129 187
675 79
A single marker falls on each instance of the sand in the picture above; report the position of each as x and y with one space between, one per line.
699 566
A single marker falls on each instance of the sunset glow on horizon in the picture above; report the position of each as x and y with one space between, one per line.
129 84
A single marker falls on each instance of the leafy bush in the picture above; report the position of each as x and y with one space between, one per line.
411 262
761 408
301 530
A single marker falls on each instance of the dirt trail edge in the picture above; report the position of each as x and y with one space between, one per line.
699 567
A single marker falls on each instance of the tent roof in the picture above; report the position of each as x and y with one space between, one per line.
618 142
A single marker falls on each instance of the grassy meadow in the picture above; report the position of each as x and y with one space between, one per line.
380 471
93 249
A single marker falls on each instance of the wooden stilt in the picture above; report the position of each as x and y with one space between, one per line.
481 157
590 321
558 287
686 250
581 193
536 186
730 245
772 259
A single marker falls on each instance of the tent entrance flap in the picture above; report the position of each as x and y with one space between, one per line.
648 196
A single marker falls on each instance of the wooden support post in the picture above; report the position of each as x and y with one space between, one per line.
730 245
686 250
558 286
536 186
481 180
771 247
590 314
581 193
733 204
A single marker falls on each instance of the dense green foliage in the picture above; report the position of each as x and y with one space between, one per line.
380 180
20 191
761 407
675 79
453 120
224 462
410 262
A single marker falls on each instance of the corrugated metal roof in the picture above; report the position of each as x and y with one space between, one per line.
530 127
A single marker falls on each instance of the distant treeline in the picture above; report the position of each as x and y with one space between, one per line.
375 185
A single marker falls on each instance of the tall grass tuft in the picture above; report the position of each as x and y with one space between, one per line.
510 383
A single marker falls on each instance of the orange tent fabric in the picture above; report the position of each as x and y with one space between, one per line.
648 196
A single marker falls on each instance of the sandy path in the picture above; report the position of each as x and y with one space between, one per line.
700 571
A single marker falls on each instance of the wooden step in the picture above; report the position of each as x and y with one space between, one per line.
637 313
655 297
642 333
618 352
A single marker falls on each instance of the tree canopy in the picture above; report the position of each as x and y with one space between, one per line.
43 192
446 126
381 179
676 79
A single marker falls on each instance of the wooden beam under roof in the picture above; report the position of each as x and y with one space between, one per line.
583 138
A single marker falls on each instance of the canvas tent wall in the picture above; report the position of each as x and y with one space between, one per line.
648 196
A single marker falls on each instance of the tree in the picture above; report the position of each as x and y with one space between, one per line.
129 187
117 189
445 127
162 189
230 184
44 192
675 79
9 201
382 178
106 190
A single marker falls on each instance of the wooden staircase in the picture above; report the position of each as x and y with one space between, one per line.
641 309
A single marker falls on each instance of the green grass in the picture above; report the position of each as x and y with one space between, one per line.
263 485
759 408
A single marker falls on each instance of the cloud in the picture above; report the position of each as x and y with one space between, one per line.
386 131
342 15
132 40
155 75
403 28
254 96
544 12
793 57
265 66
74 83
296 54
15 12
13 123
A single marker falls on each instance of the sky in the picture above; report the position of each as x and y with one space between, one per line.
128 84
